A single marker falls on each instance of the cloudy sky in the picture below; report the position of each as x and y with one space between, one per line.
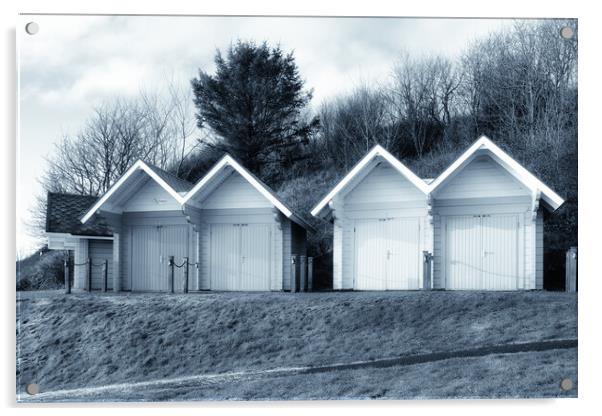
75 62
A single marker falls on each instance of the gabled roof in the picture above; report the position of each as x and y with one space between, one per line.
262 188
167 181
362 164
428 186
507 162
63 212
174 186
178 184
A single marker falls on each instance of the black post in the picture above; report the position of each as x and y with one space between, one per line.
310 273
571 270
171 273
105 272
303 273
67 280
185 274
89 275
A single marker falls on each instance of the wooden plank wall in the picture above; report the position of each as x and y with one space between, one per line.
286 253
235 192
482 178
80 256
539 251
99 251
151 197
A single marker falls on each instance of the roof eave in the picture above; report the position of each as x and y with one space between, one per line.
322 212
553 202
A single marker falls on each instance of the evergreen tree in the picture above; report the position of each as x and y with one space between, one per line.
254 104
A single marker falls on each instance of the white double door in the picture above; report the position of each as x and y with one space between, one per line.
387 253
482 252
240 257
152 246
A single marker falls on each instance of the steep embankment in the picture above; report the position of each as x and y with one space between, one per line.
90 340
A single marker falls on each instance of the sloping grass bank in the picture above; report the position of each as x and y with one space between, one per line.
89 340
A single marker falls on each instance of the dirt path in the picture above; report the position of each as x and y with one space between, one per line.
121 392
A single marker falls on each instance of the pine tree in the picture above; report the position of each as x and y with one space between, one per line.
254 106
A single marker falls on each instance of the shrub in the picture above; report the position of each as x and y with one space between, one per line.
42 270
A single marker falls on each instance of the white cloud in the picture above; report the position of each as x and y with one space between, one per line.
110 78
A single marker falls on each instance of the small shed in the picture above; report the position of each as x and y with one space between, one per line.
93 240
246 234
481 221
235 233
379 212
488 216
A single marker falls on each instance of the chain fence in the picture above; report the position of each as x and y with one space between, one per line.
301 279
104 265
185 262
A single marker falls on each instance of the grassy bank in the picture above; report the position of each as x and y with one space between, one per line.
90 340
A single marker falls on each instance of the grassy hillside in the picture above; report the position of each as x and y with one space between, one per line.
90 340
41 270
528 374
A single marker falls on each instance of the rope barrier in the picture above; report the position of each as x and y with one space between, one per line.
92 264
184 263
181 265
174 263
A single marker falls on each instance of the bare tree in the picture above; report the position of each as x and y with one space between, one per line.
158 127
353 124
187 137
424 92
521 87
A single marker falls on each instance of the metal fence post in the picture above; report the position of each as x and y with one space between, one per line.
105 273
293 273
171 273
66 271
571 270
89 275
303 273
426 270
185 274
310 273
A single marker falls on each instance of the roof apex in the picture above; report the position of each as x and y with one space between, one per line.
258 184
377 150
